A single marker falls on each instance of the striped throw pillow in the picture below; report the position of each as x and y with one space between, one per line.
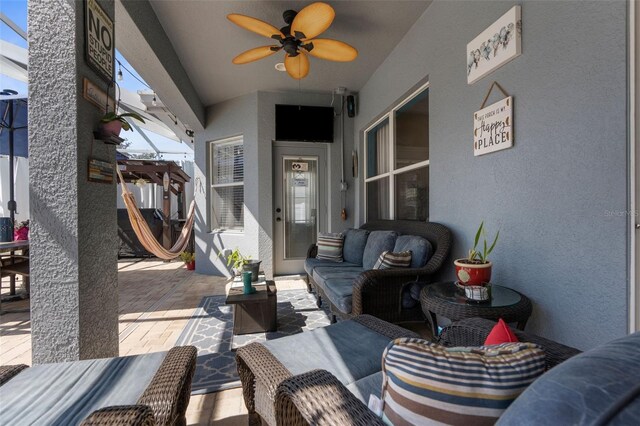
425 383
330 246
389 260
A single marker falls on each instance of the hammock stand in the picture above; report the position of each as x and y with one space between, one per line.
145 235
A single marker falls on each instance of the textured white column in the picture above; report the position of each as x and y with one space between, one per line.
74 281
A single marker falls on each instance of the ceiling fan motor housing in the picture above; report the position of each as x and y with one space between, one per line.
288 16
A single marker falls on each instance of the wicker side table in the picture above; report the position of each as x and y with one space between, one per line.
445 299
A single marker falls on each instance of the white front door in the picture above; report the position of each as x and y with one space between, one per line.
299 203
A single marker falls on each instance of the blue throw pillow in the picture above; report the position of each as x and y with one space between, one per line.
377 242
354 243
419 247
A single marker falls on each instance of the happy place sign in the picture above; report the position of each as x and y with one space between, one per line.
493 127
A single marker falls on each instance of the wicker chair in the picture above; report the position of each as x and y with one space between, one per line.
379 292
474 331
274 396
164 402
318 398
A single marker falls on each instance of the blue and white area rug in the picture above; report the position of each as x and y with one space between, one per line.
210 330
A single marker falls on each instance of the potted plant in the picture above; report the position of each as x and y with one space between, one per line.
112 123
476 268
239 263
189 259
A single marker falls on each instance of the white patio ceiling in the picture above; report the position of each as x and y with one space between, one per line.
205 41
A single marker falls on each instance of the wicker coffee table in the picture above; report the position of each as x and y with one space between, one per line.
447 300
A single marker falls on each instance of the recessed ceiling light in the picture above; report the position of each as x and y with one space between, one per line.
280 66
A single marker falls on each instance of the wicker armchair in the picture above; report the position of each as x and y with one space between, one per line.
275 396
379 292
164 402
318 398
474 331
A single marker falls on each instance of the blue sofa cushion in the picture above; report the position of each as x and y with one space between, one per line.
340 292
377 242
311 263
354 243
348 350
419 247
321 273
583 388
66 393
370 385
337 284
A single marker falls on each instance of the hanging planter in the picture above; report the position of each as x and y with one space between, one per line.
112 124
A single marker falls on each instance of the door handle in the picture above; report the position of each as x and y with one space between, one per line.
637 225
278 210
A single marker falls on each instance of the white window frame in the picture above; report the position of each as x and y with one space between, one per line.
391 174
235 140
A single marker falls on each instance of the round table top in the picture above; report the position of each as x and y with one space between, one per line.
451 293
447 300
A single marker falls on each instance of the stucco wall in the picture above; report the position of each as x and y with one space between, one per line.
555 194
73 237
253 116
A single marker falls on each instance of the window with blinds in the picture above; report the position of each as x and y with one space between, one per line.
227 184
397 161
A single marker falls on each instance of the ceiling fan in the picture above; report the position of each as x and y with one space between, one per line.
297 38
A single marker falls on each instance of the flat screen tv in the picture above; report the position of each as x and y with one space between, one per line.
304 123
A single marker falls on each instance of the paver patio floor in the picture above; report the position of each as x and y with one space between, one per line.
157 300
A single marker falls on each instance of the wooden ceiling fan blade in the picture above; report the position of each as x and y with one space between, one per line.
255 54
313 20
255 25
297 66
332 50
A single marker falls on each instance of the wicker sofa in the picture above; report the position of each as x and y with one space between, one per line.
351 288
320 397
150 389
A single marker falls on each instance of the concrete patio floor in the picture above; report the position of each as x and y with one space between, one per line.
157 300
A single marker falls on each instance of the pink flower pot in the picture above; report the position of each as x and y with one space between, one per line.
191 265
112 128
21 234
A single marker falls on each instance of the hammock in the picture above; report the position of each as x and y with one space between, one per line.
146 237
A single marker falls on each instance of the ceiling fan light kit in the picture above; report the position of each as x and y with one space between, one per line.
296 38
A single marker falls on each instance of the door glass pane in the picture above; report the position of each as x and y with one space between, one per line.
300 206
412 131
412 195
378 199
378 149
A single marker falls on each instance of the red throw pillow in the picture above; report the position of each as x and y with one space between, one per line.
501 333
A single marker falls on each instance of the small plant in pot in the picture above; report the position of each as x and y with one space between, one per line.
189 259
239 263
476 268
112 123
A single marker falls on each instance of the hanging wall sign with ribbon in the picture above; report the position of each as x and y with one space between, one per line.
493 125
